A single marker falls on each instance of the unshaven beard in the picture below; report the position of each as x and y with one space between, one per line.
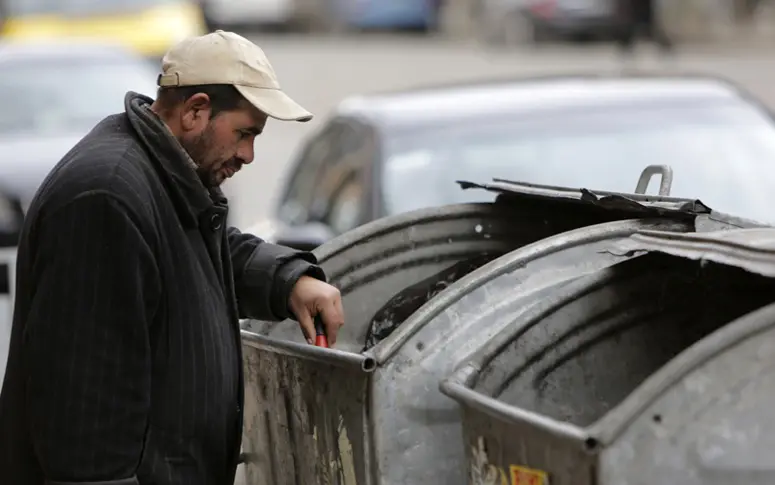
197 151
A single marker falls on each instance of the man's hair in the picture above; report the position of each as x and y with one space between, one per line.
223 97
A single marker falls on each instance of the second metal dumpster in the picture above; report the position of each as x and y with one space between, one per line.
634 374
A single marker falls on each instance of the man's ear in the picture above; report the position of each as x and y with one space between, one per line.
195 113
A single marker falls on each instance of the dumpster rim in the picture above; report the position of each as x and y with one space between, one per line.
711 246
365 363
385 225
508 262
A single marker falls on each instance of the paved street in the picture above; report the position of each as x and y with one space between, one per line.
321 71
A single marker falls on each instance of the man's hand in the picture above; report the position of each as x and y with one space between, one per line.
311 297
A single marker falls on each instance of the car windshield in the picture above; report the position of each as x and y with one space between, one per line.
62 95
721 152
17 8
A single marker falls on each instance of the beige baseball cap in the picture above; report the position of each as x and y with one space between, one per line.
228 58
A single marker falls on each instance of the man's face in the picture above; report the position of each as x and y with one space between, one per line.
221 145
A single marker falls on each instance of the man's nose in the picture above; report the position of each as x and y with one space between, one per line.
246 152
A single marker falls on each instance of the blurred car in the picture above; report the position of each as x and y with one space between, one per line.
533 21
385 154
228 14
149 27
380 14
52 94
11 220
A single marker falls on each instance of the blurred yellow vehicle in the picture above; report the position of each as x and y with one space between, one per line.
147 27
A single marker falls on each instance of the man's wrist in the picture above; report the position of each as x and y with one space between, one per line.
287 277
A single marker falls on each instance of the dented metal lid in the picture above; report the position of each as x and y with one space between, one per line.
752 249
651 205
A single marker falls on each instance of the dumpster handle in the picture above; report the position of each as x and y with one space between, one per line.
665 183
365 362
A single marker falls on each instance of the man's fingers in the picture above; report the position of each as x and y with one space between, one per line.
339 307
333 318
311 298
307 325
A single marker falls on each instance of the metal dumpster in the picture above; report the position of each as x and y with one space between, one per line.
377 416
386 256
655 370
414 256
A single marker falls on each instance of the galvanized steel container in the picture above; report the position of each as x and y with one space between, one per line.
653 370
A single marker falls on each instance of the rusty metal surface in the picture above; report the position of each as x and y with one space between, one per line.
559 384
306 418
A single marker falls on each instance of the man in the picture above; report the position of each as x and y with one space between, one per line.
125 364
639 18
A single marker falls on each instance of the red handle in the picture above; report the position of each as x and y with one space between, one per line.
320 333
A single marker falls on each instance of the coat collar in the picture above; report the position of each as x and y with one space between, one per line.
171 161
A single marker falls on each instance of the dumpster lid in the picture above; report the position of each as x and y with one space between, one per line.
656 205
752 249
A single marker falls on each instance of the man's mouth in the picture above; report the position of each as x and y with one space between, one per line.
230 169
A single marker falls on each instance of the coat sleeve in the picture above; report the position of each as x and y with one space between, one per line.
96 287
265 273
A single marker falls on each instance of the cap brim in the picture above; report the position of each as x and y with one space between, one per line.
275 103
